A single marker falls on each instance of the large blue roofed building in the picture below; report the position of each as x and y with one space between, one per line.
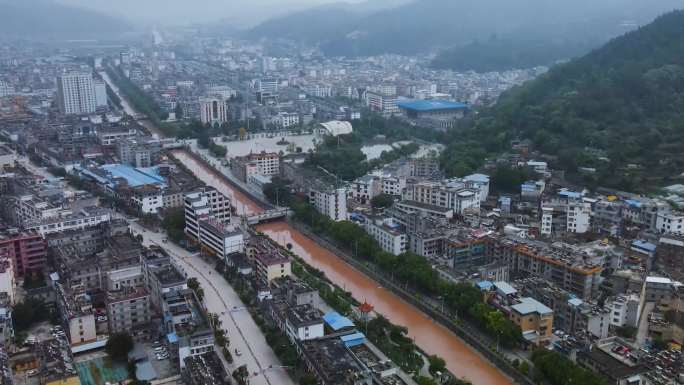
439 112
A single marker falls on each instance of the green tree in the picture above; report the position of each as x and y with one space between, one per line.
174 223
437 364
118 346
29 312
308 379
382 201
195 286
178 111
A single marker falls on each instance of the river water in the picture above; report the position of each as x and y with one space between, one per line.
433 338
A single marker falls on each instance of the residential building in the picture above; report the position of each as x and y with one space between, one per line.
128 310
26 249
272 265
389 234
382 102
206 202
100 88
263 163
670 222
186 325
625 310
567 266
76 93
578 217
331 361
86 217
303 323
78 314
534 319
458 195
329 201
147 199
657 289
219 239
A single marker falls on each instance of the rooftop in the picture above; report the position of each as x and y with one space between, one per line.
431 105
530 305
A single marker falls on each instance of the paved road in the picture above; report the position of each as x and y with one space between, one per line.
642 332
220 298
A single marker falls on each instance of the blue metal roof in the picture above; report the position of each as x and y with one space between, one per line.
337 321
353 339
172 337
135 176
633 203
430 105
644 245
484 285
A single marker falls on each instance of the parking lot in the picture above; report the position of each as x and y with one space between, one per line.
154 361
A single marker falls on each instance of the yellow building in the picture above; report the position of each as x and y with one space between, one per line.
534 319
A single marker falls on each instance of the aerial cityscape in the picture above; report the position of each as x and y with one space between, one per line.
378 192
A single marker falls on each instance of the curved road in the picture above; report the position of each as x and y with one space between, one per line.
221 299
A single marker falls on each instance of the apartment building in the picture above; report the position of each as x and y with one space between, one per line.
77 313
76 93
272 265
670 222
382 102
85 218
203 203
128 310
329 201
147 199
218 239
534 319
389 234
458 195
26 249
568 267
263 163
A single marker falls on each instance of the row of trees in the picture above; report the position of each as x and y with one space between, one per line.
413 271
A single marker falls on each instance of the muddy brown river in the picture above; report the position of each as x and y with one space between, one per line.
432 337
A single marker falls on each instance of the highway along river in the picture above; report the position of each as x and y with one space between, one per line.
433 338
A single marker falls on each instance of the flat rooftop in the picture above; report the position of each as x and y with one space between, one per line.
431 105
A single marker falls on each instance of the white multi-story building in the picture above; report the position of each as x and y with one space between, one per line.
87 217
393 185
579 217
329 201
378 101
366 188
148 199
219 238
287 119
389 234
482 182
76 93
205 203
546 221
213 111
100 93
459 195
670 222
625 310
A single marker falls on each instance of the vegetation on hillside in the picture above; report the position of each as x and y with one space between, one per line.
619 105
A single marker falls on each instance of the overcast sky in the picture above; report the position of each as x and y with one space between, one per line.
175 12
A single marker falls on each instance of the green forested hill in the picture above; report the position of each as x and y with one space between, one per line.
624 100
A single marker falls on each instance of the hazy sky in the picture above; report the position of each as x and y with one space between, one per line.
175 12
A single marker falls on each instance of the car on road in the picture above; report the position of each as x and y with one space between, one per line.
32 372
238 352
